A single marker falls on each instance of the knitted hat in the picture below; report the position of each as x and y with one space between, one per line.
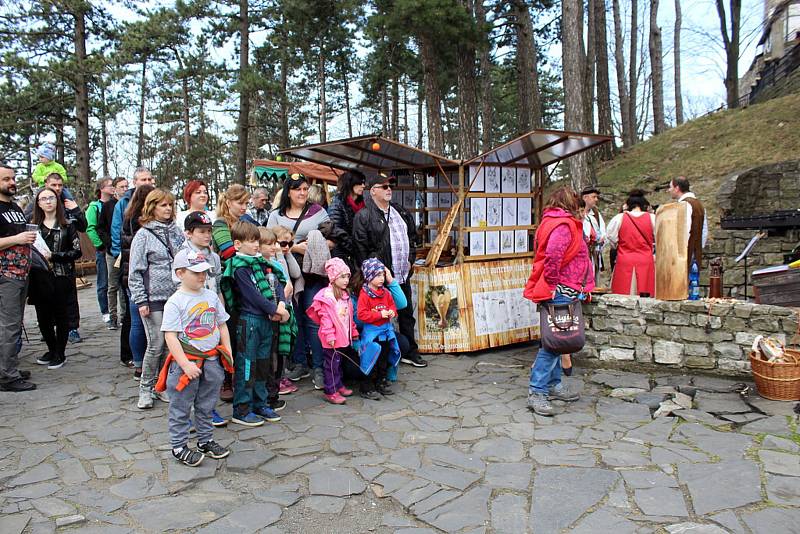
335 267
48 151
371 268
190 188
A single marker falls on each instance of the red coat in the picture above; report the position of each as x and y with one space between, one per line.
635 256
369 308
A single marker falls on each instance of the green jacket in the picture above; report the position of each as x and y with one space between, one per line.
92 214
42 170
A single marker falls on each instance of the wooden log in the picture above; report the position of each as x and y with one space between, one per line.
672 282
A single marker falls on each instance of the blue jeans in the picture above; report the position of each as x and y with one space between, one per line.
137 339
102 281
308 330
546 369
252 363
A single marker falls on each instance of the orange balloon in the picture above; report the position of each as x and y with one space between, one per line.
376 146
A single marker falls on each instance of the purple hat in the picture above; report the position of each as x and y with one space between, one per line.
371 268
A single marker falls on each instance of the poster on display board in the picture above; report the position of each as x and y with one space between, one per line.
473 306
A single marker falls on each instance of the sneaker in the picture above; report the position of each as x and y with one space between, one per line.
137 373
18 385
57 362
384 388
540 405
24 374
278 405
126 363
44 359
267 414
145 400
335 398
318 379
298 373
249 419
188 456
107 318
112 325
226 392
414 359
74 336
371 395
344 392
160 395
562 393
217 420
286 387
212 449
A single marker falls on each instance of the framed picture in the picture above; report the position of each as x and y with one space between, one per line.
492 242
405 180
477 212
507 242
445 200
432 235
509 212
477 243
509 180
430 181
520 241
524 211
434 217
492 175
476 178
409 200
523 180
494 211
432 200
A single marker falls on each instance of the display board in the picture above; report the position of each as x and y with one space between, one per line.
473 306
672 281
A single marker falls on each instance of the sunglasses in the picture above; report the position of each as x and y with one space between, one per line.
384 186
286 243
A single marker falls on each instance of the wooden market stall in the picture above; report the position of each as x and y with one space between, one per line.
477 219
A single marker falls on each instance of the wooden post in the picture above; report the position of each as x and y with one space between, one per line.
461 221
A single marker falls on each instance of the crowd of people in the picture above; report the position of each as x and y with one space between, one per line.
235 304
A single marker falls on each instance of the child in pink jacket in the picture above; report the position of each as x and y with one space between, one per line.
332 309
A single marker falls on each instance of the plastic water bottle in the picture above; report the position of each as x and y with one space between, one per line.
694 282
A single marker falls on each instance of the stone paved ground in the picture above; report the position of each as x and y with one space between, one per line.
455 450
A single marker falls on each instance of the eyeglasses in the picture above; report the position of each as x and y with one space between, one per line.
47 199
383 186
286 243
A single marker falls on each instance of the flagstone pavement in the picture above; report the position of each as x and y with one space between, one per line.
455 450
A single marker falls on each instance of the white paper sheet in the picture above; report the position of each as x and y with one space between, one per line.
520 241
494 212
492 242
509 181
507 241
477 243
524 211
492 179
478 183
523 180
509 212
477 212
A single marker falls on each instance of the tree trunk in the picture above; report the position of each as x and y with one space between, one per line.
29 159
60 127
529 103
485 84
731 43
242 126
467 95
323 103
284 107
142 101
405 110
384 111
603 84
656 70
81 101
433 97
420 104
633 78
677 70
589 69
185 112
104 128
346 86
622 84
395 109
573 58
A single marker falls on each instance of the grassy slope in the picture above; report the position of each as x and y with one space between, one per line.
706 150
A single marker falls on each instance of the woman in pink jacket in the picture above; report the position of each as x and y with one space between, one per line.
332 309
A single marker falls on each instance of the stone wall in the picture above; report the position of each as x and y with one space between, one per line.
756 191
712 336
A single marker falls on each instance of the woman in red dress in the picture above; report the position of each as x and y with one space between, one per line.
632 233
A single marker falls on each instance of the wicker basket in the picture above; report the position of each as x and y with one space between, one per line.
777 381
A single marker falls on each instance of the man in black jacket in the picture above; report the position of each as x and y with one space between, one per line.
385 230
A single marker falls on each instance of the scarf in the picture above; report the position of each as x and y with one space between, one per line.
287 332
356 206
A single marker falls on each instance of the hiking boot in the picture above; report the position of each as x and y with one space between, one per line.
145 400
188 456
298 373
57 362
212 449
44 359
249 419
540 405
562 393
286 387
318 379
371 395
267 414
217 420
278 405
18 385
335 398
414 359
384 388
24 374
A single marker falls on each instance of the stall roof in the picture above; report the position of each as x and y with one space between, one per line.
357 153
280 169
540 148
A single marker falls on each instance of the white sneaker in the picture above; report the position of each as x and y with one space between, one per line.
106 318
160 395
145 400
